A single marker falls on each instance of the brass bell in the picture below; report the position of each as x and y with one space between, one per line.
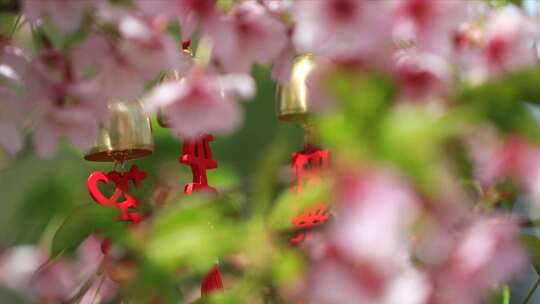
293 98
126 135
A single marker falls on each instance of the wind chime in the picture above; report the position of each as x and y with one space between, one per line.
310 163
126 135
197 153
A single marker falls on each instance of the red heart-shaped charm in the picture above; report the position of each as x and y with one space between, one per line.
120 180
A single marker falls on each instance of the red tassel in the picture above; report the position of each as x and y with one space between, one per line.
212 281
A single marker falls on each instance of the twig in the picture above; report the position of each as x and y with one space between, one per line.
531 291
15 26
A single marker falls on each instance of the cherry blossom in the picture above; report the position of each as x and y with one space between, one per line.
10 115
515 158
12 106
281 70
190 13
508 40
487 254
66 14
193 104
343 29
364 256
28 268
13 63
374 201
63 106
247 35
278 7
429 24
422 76
125 65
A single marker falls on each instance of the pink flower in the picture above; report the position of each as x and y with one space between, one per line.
488 253
429 24
29 270
515 158
364 256
422 76
248 34
334 280
63 106
66 14
202 102
10 115
278 7
190 13
281 70
126 64
343 29
508 40
375 211
13 63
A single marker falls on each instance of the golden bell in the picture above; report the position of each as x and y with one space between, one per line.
126 135
293 98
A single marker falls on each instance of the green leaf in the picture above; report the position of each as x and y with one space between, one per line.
502 101
80 224
501 296
412 138
532 244
363 100
192 232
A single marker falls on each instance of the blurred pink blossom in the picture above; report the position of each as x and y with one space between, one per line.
281 70
190 13
429 24
29 270
66 14
202 102
508 40
13 64
127 63
279 6
422 76
343 29
487 254
515 158
364 256
11 111
373 207
63 107
248 34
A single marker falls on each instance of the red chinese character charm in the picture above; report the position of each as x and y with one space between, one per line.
198 155
308 167
312 217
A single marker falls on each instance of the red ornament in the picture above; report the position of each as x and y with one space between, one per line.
212 281
198 155
308 167
121 182
312 217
